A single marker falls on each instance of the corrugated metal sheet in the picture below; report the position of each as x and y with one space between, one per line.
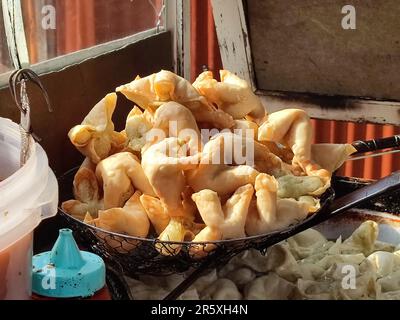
204 43
204 51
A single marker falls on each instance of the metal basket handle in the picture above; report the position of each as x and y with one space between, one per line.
377 144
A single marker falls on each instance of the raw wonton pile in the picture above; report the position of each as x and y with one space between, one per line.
159 175
306 266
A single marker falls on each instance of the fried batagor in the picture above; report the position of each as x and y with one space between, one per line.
232 95
178 180
120 174
222 222
175 229
95 138
230 218
136 128
86 192
156 213
246 128
221 168
268 213
153 91
175 120
164 164
331 156
292 128
131 219
160 218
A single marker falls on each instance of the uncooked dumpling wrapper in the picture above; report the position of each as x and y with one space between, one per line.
269 287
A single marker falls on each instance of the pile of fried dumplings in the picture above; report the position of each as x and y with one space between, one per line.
198 162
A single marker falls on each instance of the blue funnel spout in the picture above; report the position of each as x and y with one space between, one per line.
65 253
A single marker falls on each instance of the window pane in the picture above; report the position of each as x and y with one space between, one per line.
5 62
82 24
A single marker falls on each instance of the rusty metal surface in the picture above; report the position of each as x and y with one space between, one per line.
300 46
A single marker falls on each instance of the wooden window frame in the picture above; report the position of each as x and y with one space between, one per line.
233 39
175 15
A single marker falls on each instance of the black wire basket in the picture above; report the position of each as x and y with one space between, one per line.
135 256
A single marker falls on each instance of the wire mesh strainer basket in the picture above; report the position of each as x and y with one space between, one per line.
137 256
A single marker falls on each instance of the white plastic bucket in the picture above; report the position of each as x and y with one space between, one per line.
27 196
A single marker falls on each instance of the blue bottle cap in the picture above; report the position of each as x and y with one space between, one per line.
67 272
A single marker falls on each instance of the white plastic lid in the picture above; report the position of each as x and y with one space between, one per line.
28 194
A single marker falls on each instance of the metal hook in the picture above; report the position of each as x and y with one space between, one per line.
20 77
26 75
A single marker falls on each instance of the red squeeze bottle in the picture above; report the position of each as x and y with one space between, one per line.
103 294
66 272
